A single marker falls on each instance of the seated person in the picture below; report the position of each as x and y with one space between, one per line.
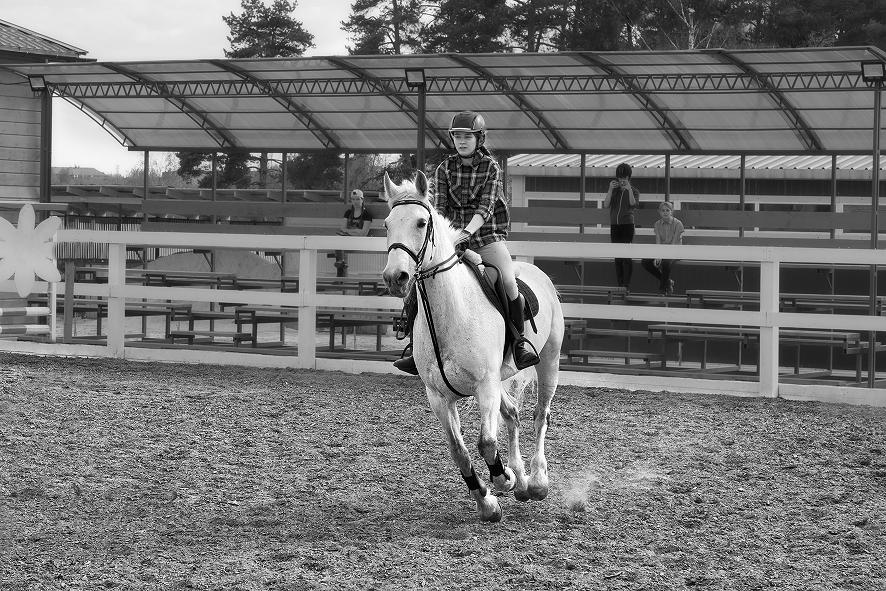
668 230
357 219
357 222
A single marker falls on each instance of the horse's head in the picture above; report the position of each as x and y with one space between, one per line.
410 227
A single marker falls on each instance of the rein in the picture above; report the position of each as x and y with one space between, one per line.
421 275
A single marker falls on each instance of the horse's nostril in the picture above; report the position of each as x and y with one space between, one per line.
403 277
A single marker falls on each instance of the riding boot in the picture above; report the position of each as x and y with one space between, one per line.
410 311
524 353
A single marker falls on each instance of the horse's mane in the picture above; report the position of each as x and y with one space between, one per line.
443 225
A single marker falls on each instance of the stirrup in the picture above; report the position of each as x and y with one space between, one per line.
407 362
526 357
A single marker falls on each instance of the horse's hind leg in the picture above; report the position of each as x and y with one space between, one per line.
447 413
548 374
514 392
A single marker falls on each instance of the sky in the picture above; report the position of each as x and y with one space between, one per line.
133 30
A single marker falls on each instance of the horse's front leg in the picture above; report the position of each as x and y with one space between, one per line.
447 413
489 401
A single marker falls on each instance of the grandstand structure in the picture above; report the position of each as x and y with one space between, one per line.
737 139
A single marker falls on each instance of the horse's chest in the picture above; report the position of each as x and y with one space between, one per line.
462 368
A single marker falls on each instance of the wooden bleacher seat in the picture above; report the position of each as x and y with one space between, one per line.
192 335
586 355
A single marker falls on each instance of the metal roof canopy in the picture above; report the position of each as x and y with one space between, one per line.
774 101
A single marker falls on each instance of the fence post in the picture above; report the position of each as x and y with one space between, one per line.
52 298
116 300
307 311
68 314
769 298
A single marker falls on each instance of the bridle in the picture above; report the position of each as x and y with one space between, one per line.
421 274
418 257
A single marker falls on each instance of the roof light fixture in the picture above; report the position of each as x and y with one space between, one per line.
38 83
873 73
415 77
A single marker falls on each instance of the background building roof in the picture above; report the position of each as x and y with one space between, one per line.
693 165
16 42
782 101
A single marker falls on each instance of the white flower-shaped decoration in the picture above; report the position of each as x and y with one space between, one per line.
26 250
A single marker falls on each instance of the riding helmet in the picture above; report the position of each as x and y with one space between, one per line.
470 121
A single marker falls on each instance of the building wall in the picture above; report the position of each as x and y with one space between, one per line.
19 140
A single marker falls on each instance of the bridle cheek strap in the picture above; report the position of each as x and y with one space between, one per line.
416 256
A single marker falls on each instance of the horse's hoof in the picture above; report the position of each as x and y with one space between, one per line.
489 509
522 495
509 483
539 487
538 492
493 517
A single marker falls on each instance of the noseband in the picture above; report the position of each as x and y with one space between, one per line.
419 256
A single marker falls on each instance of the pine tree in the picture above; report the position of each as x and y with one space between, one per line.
266 31
385 26
468 26
259 31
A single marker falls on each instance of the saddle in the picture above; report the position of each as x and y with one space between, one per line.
490 281
489 278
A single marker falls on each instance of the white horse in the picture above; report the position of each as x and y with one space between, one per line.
461 356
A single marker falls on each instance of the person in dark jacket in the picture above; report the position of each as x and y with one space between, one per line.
622 199
357 222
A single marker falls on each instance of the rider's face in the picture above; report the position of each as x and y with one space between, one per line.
465 142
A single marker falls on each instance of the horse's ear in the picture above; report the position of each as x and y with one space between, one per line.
421 183
390 188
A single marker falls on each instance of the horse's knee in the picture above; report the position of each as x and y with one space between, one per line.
487 445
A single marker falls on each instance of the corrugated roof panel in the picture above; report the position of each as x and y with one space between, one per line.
174 138
689 161
741 140
617 139
276 138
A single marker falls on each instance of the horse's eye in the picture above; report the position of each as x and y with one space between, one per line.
422 223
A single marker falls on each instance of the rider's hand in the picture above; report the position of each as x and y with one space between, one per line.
462 237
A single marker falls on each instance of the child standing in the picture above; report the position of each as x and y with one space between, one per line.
668 230
622 199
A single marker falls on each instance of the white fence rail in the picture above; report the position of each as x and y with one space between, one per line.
769 319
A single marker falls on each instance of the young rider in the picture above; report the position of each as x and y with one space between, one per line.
468 189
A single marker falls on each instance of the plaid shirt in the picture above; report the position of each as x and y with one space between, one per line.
462 191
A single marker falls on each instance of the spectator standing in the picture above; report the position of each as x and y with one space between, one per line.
622 199
668 230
